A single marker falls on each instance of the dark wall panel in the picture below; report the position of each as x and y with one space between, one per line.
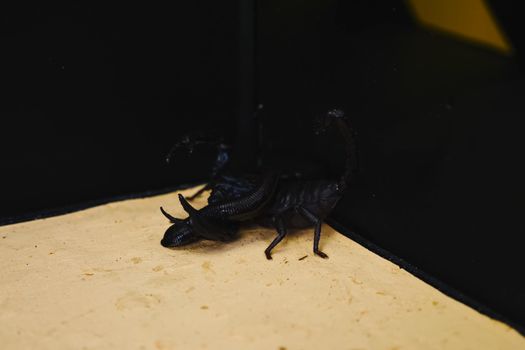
438 122
93 96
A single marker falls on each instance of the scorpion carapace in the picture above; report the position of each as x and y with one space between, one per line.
270 200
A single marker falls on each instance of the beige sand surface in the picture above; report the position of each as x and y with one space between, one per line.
98 279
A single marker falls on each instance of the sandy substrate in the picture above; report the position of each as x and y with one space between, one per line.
99 279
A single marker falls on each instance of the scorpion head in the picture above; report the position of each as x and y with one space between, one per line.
194 228
179 233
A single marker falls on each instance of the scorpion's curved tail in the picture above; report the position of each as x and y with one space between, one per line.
338 117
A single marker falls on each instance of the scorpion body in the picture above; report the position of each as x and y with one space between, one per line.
300 204
270 201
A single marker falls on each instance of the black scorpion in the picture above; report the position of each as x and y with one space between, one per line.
271 200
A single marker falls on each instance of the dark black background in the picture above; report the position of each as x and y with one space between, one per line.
94 96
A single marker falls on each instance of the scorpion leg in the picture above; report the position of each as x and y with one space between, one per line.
281 232
223 157
317 229
189 142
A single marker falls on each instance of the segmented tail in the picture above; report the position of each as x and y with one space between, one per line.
338 117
